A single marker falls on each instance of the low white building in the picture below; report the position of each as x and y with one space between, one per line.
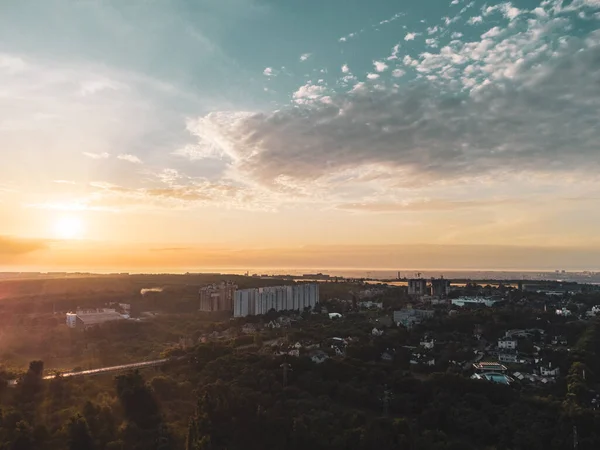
466 301
319 357
509 344
89 317
549 371
427 343
508 357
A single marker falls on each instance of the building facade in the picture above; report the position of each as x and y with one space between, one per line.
417 286
440 287
252 302
217 297
510 344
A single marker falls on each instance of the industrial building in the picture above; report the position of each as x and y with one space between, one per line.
252 302
85 318
217 297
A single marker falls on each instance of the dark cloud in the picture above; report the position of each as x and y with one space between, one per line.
10 246
542 120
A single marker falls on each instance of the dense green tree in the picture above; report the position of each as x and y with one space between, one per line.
78 434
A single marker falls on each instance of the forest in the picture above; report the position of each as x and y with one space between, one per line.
217 395
219 398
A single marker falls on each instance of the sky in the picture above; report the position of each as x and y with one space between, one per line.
320 133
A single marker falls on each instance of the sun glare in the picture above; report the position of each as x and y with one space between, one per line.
68 227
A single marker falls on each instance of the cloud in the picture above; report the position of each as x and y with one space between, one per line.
432 30
95 86
398 73
176 192
130 158
372 76
305 56
424 205
10 246
395 51
456 35
63 182
345 68
506 8
474 20
431 42
268 71
532 122
308 93
380 66
345 38
410 36
492 32
12 64
103 155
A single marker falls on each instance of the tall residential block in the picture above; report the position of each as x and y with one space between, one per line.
217 297
417 286
250 302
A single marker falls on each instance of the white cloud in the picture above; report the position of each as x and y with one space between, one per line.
408 61
455 2
345 68
372 76
540 12
130 158
395 51
268 71
410 36
345 38
102 155
63 181
492 32
456 35
12 64
521 118
94 86
398 73
433 30
305 56
358 87
431 42
474 20
380 66
510 12
308 93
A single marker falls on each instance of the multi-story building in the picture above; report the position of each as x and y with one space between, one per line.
440 287
417 286
217 297
506 343
250 302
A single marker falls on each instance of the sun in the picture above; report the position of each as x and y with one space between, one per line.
69 227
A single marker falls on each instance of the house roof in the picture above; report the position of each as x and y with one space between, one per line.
100 317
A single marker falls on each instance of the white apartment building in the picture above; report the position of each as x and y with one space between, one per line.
250 302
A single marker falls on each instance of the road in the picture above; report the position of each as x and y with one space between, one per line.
111 369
